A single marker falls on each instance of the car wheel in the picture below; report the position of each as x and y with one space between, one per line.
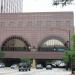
26 70
29 69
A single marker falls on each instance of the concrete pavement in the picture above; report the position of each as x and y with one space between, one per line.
54 71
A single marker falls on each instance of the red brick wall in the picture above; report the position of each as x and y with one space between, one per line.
34 27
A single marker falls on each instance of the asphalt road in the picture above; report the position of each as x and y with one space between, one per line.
38 72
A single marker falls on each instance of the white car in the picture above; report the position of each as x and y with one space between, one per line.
58 63
14 66
2 65
39 66
62 64
48 66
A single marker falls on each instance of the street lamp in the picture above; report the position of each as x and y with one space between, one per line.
67 43
69 39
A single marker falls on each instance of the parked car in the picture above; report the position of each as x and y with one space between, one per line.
58 63
14 66
2 65
53 65
24 66
62 64
48 66
39 66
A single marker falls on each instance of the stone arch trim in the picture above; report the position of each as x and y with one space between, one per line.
51 37
15 37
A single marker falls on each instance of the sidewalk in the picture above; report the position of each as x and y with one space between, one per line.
7 70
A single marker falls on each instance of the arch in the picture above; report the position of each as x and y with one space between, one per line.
52 43
15 43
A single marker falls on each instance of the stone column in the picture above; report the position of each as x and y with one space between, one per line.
34 63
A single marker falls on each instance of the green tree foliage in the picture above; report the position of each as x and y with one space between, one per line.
66 56
26 59
62 2
73 39
70 54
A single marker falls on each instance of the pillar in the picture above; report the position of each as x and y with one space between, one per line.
34 63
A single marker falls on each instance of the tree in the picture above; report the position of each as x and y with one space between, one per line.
26 59
62 2
70 54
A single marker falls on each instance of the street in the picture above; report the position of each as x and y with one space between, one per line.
54 71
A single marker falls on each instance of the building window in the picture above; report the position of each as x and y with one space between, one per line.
52 45
15 44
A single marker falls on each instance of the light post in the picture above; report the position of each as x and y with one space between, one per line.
69 39
68 43
69 63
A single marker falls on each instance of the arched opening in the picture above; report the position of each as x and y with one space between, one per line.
15 43
52 45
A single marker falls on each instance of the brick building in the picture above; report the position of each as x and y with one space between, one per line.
39 35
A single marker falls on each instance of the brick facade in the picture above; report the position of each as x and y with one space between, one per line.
35 28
